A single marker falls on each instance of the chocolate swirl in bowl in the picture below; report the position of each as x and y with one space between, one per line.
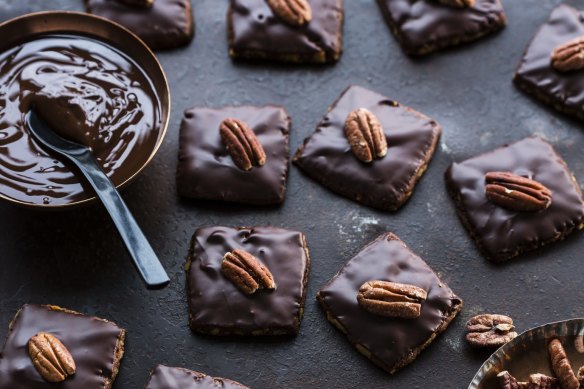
88 92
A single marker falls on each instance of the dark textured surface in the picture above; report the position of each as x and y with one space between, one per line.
74 259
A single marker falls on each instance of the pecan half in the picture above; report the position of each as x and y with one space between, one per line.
246 272
516 193
293 12
242 144
138 3
458 3
561 365
490 330
569 56
391 299
507 381
542 381
365 135
580 376
50 357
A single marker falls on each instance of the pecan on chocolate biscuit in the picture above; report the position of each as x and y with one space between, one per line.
242 144
293 12
365 135
517 193
458 3
561 365
569 56
137 3
391 299
50 357
246 272
490 330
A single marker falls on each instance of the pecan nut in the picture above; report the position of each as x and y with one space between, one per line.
458 3
490 330
292 12
138 3
569 56
242 144
507 381
246 272
580 376
365 135
511 191
391 299
50 357
541 381
561 365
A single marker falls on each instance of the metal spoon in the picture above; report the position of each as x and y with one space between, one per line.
144 257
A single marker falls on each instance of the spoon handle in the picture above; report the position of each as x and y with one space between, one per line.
142 253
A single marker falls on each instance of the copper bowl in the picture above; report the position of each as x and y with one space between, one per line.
28 27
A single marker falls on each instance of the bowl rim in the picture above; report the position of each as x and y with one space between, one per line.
88 33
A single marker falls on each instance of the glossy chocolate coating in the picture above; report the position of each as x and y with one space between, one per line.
165 25
164 377
423 26
109 96
255 32
387 182
206 169
535 74
217 307
92 342
501 233
391 343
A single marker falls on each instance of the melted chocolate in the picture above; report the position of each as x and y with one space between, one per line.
91 341
164 377
535 74
391 342
423 26
217 307
75 81
501 233
386 183
206 169
167 24
255 32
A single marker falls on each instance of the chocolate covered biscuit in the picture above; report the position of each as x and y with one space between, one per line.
164 377
165 24
543 202
217 160
391 340
219 302
262 30
425 26
536 73
95 345
385 182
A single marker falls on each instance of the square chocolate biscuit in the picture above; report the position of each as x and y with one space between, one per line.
218 306
165 25
424 26
385 183
535 74
206 169
96 345
389 342
255 32
502 233
164 377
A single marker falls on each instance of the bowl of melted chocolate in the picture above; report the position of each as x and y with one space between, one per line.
93 82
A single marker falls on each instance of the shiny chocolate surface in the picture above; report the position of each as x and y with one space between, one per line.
164 377
391 342
91 341
88 92
502 233
218 307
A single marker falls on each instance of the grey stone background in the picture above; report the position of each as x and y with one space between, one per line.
74 258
